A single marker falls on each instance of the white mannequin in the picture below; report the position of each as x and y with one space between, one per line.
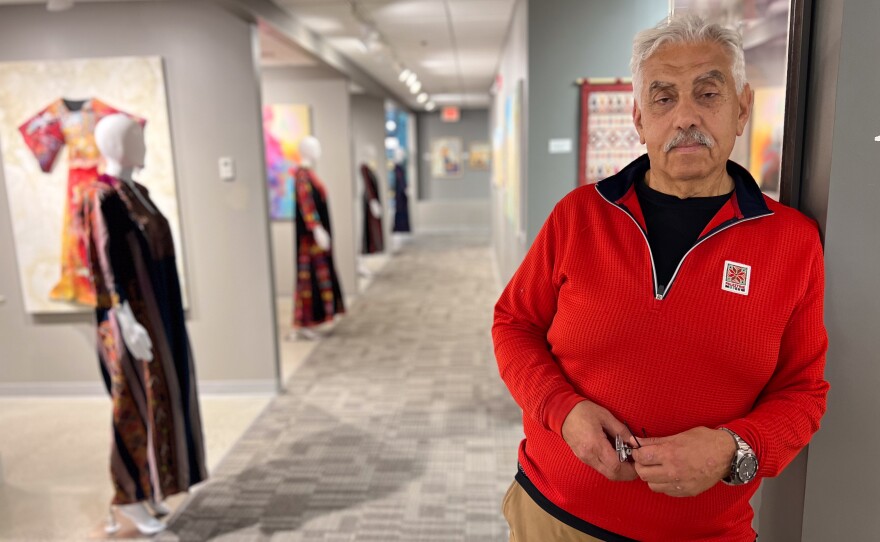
121 142
310 153
399 155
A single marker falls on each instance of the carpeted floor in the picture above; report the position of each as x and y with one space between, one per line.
396 428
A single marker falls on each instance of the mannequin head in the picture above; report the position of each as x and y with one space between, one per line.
309 151
399 155
121 141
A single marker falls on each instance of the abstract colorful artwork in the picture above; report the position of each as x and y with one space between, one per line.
479 156
284 126
446 160
765 153
608 139
47 112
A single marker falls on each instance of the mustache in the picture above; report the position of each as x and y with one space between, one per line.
689 137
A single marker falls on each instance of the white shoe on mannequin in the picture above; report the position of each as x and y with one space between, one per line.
159 509
138 514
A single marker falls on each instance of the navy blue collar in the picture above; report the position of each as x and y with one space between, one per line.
748 194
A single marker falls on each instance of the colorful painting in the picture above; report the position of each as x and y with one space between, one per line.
512 154
608 139
765 153
446 162
479 155
284 126
47 113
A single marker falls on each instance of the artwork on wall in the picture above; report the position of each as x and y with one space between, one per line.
479 155
765 153
608 139
284 126
498 162
512 155
446 160
47 114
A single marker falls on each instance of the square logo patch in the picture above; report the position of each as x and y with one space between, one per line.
736 277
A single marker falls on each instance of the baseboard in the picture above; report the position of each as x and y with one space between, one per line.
94 389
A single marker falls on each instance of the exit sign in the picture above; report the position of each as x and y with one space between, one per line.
450 113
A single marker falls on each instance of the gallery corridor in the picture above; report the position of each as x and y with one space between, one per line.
396 428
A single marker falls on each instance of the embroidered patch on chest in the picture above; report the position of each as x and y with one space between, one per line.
736 277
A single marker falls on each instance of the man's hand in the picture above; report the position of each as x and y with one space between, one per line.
686 464
588 430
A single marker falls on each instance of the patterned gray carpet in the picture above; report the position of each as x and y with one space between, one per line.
397 427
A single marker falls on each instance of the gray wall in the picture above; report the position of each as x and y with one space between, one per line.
473 184
327 94
368 130
843 485
570 39
213 100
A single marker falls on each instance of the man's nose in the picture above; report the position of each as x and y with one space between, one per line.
686 114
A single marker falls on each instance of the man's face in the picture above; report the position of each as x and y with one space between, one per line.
689 90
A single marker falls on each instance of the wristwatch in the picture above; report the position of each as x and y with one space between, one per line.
744 466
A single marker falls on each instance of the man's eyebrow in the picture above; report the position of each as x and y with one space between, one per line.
713 75
660 85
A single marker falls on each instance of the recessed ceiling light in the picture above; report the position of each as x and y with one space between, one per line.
391 126
416 87
404 75
430 106
422 98
411 78
59 5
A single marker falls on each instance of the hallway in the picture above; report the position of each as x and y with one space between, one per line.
396 428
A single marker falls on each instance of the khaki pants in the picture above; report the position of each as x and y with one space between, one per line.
530 523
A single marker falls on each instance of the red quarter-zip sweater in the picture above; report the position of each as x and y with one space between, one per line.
582 318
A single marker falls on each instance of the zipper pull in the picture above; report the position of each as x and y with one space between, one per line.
661 291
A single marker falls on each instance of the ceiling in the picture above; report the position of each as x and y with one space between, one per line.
453 46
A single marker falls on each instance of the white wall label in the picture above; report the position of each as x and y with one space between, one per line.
560 146
877 138
227 168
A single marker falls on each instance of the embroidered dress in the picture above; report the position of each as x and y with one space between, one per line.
157 447
71 123
373 237
401 203
318 295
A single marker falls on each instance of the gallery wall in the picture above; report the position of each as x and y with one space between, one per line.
213 102
327 94
455 202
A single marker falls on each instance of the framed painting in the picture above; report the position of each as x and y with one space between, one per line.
284 127
43 176
446 158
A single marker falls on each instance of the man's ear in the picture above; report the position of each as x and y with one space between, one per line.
746 101
637 121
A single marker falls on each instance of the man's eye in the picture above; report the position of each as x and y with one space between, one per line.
709 95
663 101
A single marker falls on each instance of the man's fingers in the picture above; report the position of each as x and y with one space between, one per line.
654 474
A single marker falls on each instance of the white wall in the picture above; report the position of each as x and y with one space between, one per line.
327 94
213 100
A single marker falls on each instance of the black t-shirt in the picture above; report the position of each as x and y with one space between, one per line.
674 225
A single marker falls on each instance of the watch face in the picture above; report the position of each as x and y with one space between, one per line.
747 468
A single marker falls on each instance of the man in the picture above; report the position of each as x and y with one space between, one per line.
672 305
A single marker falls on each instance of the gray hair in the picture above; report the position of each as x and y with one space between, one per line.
687 28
